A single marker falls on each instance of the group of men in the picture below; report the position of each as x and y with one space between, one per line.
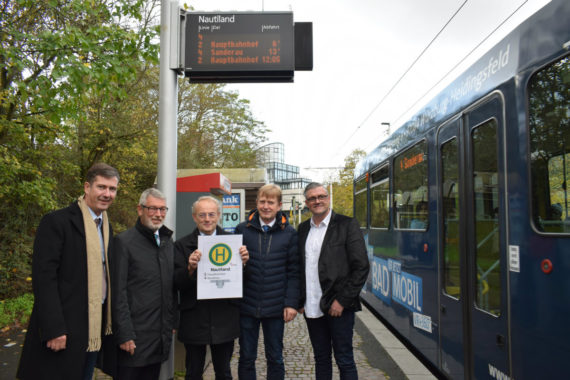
111 302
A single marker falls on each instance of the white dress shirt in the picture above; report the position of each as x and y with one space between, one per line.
312 253
270 224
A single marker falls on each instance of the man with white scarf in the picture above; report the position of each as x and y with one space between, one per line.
71 284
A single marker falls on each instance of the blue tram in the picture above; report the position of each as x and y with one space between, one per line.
466 213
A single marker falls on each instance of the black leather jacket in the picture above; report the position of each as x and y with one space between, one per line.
343 262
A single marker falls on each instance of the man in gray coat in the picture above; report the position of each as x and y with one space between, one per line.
143 302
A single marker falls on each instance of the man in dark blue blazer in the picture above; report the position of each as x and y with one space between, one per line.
71 318
334 267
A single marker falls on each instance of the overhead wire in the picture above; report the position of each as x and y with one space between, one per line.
461 61
403 75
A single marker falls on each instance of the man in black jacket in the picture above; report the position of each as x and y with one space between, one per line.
142 298
334 267
202 322
71 318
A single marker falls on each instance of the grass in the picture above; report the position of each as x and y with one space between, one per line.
16 311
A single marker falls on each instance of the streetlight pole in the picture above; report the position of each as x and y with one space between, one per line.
292 213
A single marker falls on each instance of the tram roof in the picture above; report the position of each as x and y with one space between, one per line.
526 46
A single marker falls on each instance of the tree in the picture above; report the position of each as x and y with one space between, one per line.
79 85
549 127
343 189
64 65
216 128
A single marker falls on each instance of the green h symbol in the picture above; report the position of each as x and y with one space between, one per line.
220 254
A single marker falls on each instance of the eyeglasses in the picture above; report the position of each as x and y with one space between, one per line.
203 215
319 197
153 210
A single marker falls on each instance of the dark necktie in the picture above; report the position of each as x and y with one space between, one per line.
104 282
265 228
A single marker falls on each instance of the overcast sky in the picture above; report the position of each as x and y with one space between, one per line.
368 68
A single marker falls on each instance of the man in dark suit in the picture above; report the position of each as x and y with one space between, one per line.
334 267
70 280
213 322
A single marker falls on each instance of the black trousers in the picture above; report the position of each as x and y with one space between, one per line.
221 357
149 372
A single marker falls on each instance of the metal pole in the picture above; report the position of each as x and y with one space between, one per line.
167 118
292 211
167 139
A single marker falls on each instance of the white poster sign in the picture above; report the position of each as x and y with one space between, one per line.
220 270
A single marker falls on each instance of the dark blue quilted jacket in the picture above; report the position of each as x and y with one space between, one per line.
271 276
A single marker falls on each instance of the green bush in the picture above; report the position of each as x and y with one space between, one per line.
16 311
15 265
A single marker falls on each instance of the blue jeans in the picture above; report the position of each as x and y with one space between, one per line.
328 333
273 339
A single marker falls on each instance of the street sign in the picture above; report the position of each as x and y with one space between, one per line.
231 212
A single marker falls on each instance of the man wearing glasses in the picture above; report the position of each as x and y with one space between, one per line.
142 299
213 322
334 267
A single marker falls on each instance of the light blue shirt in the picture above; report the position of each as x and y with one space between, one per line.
99 229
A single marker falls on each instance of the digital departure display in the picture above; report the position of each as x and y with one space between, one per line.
226 43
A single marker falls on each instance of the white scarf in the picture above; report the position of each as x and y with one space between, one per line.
95 276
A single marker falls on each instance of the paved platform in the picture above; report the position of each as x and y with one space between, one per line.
298 356
399 355
378 354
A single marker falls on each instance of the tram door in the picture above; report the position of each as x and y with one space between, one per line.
473 260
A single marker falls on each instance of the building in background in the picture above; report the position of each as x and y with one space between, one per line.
237 187
247 179
272 158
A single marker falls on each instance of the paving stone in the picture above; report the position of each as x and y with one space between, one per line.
297 357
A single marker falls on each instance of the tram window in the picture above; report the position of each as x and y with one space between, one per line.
486 206
450 201
549 132
410 188
380 199
360 204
